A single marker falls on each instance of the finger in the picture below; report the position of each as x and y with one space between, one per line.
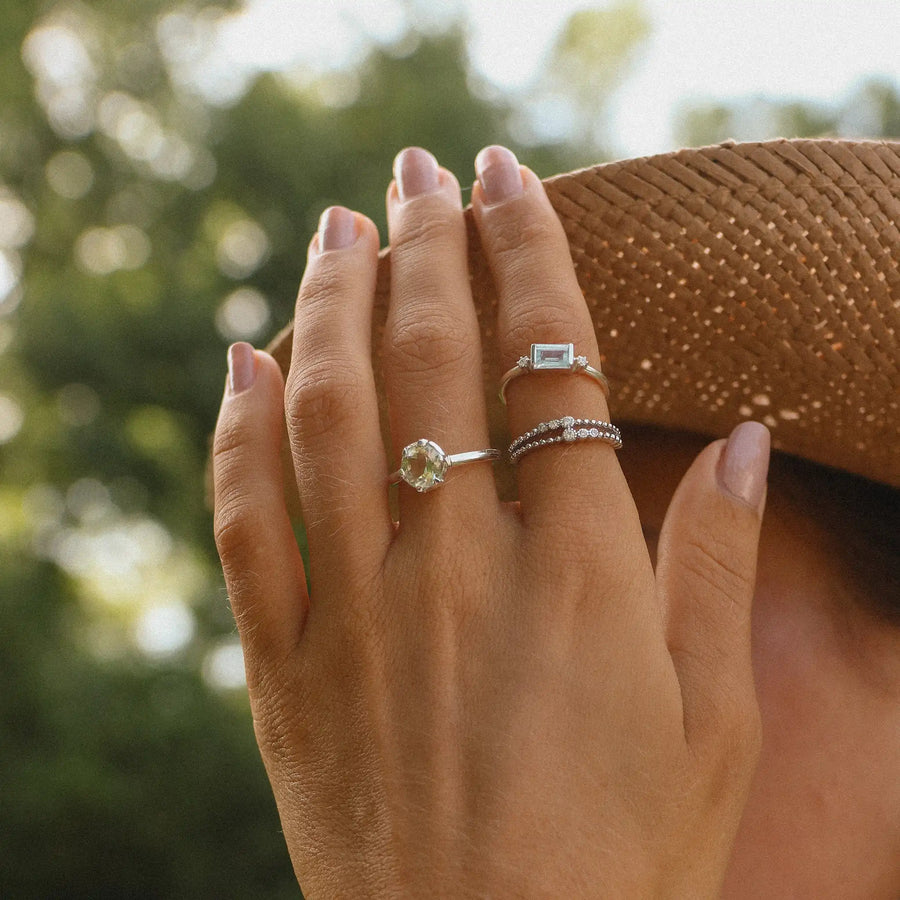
260 559
706 576
330 401
432 343
540 302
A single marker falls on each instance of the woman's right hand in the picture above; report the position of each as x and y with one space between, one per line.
487 699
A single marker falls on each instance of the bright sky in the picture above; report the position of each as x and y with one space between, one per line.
699 49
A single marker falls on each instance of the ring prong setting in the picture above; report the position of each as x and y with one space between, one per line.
423 465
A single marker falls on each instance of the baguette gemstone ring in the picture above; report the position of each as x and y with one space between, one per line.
552 357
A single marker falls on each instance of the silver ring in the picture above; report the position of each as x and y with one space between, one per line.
550 357
423 464
568 429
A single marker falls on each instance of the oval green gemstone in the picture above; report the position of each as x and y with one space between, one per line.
423 465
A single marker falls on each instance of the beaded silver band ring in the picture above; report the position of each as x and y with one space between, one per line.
565 430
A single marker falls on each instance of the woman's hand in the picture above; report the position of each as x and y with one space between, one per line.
488 700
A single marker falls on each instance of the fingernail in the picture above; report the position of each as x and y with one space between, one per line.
241 367
337 228
498 171
745 463
416 172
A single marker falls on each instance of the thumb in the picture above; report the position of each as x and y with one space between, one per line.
706 577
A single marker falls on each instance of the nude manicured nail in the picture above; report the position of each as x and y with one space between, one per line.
745 463
337 228
241 367
498 172
416 172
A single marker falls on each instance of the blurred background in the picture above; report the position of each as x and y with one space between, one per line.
163 164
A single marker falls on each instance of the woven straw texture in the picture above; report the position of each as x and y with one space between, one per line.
755 280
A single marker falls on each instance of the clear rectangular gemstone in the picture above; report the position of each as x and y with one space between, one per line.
552 356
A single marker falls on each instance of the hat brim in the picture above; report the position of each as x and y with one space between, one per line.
754 280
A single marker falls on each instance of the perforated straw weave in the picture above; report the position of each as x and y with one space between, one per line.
738 281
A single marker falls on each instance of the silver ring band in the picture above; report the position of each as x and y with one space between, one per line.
568 429
423 464
553 357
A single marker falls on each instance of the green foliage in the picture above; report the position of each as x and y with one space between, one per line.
871 111
596 45
121 779
590 58
153 229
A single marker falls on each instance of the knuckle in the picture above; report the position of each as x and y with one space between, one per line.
429 343
282 706
540 316
363 618
236 535
318 284
236 526
228 441
512 238
279 733
326 280
233 504
322 397
423 236
705 561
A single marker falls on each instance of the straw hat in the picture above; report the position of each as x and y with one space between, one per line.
738 281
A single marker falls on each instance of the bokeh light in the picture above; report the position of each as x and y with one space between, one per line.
69 174
78 404
243 315
242 248
12 417
10 273
16 221
223 667
101 251
164 629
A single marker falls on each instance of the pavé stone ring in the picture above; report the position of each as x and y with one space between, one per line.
552 357
423 464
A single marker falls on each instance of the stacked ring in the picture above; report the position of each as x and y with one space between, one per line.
568 429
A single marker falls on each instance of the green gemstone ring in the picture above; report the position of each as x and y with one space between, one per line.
423 464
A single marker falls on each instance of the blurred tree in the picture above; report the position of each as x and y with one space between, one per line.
872 111
590 58
121 779
143 228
